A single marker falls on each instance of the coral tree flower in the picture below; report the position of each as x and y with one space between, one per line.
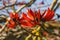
33 18
14 15
30 19
11 24
48 15
13 20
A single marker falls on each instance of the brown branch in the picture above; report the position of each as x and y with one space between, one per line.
53 4
26 5
44 28
3 18
3 7
57 6
3 27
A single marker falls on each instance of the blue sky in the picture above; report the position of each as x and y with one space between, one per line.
43 8
46 2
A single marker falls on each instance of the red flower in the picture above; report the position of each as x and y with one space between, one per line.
11 24
48 15
30 19
13 21
33 18
14 15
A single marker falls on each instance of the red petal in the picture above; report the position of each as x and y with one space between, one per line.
46 19
33 13
51 16
30 14
12 15
29 24
12 22
38 15
43 13
16 16
10 26
47 14
25 17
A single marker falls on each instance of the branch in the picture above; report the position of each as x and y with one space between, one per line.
26 5
3 7
3 18
53 4
3 27
57 6
42 26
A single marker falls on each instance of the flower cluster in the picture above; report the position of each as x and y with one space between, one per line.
31 18
14 17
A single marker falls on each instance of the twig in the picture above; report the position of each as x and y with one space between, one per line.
3 7
42 26
57 6
53 4
26 5
3 18
3 27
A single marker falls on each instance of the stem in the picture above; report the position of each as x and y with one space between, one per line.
53 4
20 8
57 6
42 26
13 8
3 7
26 5
3 27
